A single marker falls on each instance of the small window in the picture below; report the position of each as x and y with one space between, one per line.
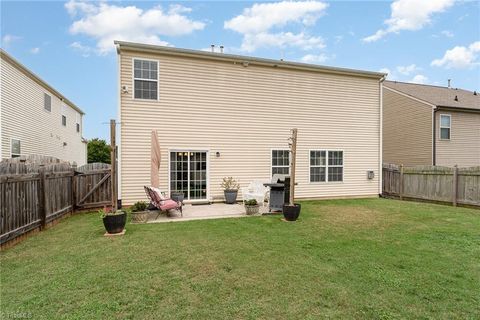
77 122
47 102
326 166
445 126
318 166
335 165
145 76
15 148
280 162
64 120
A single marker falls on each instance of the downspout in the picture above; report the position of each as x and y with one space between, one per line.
119 122
434 140
380 149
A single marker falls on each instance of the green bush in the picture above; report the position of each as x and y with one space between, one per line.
139 206
251 202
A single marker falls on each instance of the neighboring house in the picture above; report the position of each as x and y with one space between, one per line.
221 115
37 119
430 125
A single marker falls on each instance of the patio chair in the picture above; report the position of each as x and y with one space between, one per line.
255 190
159 200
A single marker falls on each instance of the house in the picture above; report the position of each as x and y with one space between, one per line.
220 115
37 119
430 125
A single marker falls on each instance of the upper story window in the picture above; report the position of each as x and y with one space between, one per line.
280 162
77 121
15 150
47 102
64 116
145 76
326 166
445 126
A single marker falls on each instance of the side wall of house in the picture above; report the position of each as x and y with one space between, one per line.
463 148
407 130
24 118
242 113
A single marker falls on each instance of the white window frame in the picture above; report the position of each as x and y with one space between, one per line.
440 127
327 151
64 114
142 79
319 166
271 159
78 121
51 102
11 145
207 150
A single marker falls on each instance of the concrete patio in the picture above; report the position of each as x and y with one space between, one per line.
203 212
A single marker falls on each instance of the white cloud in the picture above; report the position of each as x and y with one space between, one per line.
105 23
314 58
407 70
8 39
460 57
447 33
256 24
420 79
85 51
410 15
35 50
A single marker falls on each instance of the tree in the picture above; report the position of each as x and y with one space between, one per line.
98 151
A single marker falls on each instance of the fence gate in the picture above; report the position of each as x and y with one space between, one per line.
93 186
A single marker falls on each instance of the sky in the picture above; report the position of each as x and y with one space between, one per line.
70 44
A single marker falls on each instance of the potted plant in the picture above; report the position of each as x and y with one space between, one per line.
291 210
230 189
139 211
251 207
114 221
177 196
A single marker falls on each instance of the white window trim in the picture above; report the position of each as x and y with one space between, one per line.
271 159
64 113
51 102
327 166
440 127
78 120
133 78
207 150
11 144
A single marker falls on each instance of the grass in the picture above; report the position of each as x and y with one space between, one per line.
374 259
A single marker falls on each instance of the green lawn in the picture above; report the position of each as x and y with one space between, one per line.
376 258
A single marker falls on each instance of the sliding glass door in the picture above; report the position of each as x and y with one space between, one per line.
188 174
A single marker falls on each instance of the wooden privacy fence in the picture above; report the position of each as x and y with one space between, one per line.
435 183
32 195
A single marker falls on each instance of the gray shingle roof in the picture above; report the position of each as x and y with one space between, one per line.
439 96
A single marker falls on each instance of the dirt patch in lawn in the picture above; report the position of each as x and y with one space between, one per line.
357 217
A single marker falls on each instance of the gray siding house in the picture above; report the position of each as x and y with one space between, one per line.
430 125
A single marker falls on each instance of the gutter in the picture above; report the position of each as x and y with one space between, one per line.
434 139
380 143
245 60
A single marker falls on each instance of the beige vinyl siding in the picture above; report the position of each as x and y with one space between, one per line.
407 130
463 148
24 118
243 113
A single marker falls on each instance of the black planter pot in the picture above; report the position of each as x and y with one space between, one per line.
115 223
230 196
291 213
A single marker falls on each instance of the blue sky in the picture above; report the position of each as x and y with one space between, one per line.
69 44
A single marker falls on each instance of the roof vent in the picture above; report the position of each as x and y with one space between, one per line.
474 93
456 98
213 47
221 49
449 80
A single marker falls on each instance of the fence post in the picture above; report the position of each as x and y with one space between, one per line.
41 198
455 185
74 191
401 182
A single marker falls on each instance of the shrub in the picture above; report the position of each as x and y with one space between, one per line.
251 202
230 184
139 206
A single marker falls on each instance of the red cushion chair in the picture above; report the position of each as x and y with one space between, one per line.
160 202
